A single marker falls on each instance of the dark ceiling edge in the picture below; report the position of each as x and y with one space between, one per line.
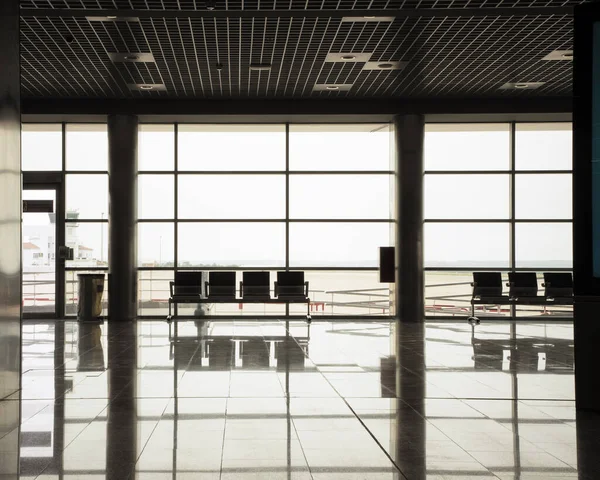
398 13
283 107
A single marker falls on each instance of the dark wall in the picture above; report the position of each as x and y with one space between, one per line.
10 233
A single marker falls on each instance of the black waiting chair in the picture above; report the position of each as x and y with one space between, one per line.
221 285
255 285
487 286
291 285
187 284
522 284
558 286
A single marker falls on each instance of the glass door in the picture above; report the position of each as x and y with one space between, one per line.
42 234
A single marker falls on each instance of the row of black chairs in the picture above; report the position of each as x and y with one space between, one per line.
254 285
522 289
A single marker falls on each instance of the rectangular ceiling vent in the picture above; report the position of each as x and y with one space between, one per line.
557 55
367 19
382 65
332 87
521 85
131 57
348 57
147 87
112 18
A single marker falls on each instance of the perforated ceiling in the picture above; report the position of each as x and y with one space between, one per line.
459 48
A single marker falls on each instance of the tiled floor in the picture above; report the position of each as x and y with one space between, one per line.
245 400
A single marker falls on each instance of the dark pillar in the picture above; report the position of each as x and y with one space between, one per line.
10 236
409 132
122 187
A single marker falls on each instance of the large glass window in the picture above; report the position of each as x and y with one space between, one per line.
513 187
231 147
340 147
235 245
340 196
41 147
156 196
467 196
473 146
156 148
87 147
231 196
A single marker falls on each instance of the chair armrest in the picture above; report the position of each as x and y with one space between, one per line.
276 292
241 289
171 286
206 288
306 289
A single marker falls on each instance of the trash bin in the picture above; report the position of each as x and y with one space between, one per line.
91 288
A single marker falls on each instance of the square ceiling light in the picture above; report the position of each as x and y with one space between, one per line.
332 87
560 55
131 57
367 19
521 85
148 87
347 57
384 65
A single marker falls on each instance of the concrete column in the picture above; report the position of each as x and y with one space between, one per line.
122 187
409 134
10 237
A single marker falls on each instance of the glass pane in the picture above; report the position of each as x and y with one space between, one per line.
544 146
41 147
544 196
476 245
455 146
231 147
544 245
340 147
87 196
235 245
153 291
340 196
156 147
448 294
466 196
87 147
156 245
231 196
89 242
156 196
72 292
39 256
337 244
345 293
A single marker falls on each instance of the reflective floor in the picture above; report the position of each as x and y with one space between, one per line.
245 400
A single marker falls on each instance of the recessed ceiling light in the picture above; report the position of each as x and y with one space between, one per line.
390 65
332 87
111 17
155 87
521 85
131 57
347 57
557 55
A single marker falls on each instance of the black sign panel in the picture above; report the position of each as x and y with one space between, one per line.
38 206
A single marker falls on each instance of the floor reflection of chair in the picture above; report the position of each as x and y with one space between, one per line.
290 354
254 353
220 353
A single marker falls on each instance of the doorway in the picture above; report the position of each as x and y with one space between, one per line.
43 254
